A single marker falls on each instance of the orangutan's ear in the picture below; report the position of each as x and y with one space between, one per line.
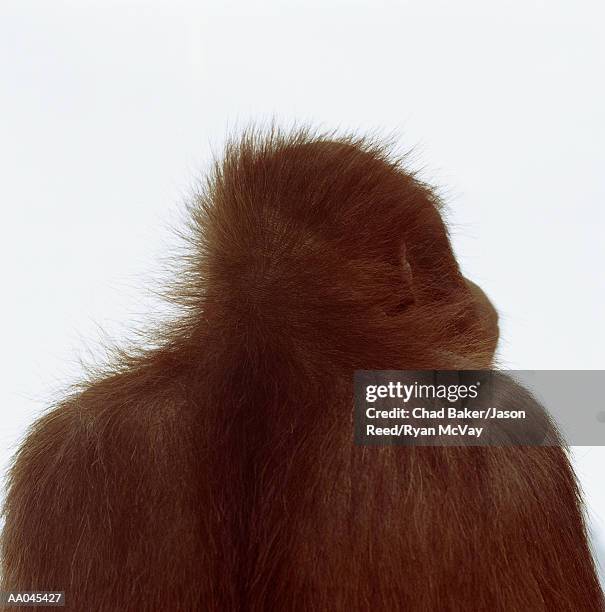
406 288
405 285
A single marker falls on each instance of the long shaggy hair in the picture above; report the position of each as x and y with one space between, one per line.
218 470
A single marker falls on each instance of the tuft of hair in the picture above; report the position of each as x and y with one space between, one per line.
217 471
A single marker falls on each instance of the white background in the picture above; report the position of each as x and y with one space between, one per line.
109 112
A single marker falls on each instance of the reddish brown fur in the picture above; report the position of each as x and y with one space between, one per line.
218 472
